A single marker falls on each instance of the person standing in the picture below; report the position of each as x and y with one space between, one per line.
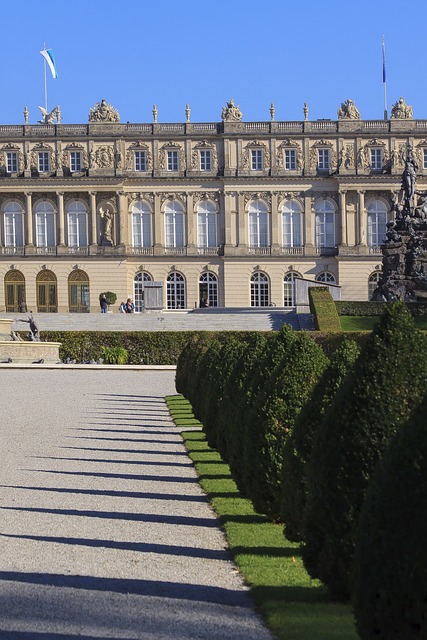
129 306
103 303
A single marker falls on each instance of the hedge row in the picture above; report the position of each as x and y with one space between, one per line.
323 309
350 308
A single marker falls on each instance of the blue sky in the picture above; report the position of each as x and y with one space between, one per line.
137 53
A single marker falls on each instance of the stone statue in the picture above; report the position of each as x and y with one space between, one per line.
103 112
49 116
401 111
408 179
107 220
348 111
34 334
231 112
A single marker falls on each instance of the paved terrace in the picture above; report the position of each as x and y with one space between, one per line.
104 530
195 320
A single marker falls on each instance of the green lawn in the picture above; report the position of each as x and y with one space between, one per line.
294 606
367 323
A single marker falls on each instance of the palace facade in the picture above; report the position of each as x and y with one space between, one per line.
230 212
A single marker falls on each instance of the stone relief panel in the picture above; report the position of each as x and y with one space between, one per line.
139 146
245 158
103 112
12 147
78 195
172 146
364 156
419 153
347 156
195 155
148 197
181 197
214 196
101 158
258 195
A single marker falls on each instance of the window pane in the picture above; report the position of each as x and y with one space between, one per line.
140 164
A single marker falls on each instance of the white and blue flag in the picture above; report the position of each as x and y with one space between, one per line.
50 59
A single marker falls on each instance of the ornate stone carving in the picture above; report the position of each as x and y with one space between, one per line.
348 111
102 157
195 155
401 111
139 146
79 195
258 195
290 195
50 116
103 112
171 146
40 147
347 157
289 144
245 161
181 197
148 197
231 112
313 155
207 195
363 160
74 146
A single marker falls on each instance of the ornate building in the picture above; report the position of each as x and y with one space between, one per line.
231 211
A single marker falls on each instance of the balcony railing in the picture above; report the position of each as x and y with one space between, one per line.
326 251
78 251
292 251
207 251
175 251
45 251
259 251
375 250
12 251
142 251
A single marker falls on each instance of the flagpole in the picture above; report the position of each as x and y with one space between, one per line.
45 82
384 83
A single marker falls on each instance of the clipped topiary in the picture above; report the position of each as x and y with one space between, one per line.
292 368
298 446
390 590
387 382
186 378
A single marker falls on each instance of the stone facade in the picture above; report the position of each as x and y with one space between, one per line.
231 211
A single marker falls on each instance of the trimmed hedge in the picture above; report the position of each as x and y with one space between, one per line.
386 384
298 446
390 591
323 308
365 308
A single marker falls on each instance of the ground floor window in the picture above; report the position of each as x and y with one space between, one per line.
47 292
289 289
208 290
175 291
78 292
138 290
260 290
373 280
326 276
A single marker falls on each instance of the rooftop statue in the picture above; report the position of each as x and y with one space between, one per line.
231 112
50 116
401 111
103 112
348 111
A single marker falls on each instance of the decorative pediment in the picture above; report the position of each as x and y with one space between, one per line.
289 144
10 147
195 155
245 162
257 195
141 196
181 197
103 112
172 146
139 146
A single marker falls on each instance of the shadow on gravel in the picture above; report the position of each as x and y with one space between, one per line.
31 635
136 451
121 494
153 588
120 476
149 463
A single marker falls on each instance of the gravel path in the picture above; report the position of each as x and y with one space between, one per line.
104 531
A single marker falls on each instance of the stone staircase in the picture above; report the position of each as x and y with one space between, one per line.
193 320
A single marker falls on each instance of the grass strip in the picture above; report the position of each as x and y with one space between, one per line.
293 605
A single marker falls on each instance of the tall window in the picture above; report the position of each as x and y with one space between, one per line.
175 291
12 161
289 288
172 157
325 224
256 159
206 225
208 290
138 289
291 224
258 224
376 159
45 225
377 223
141 225
290 159
326 276
75 161
77 225
205 160
373 280
174 225
43 158
13 234
260 290
324 159
78 292
14 290
425 158
140 161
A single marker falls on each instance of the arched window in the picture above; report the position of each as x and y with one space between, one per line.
208 290
138 289
373 280
47 292
14 289
174 225
77 224
175 291
206 225
141 225
13 225
289 288
45 225
377 223
291 224
260 290
258 224
325 224
78 292
326 276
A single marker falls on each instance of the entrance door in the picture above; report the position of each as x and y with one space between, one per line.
14 284
78 292
47 292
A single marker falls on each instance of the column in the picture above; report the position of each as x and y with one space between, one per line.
362 221
275 224
94 235
61 218
308 240
121 240
29 220
242 240
158 228
191 225
343 209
